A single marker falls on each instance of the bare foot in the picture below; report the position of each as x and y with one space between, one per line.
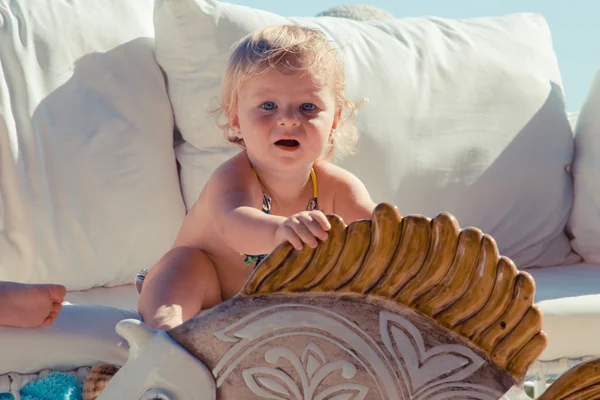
28 306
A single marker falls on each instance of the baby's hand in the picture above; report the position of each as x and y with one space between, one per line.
306 226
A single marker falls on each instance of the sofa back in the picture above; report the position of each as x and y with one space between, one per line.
584 222
463 116
88 180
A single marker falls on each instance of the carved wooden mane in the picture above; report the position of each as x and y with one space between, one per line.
454 277
406 307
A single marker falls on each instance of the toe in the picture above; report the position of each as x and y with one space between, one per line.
56 307
57 293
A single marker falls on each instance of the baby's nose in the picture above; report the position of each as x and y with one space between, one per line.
289 118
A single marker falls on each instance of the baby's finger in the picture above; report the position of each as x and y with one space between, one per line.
321 219
290 236
304 233
314 227
317 231
295 241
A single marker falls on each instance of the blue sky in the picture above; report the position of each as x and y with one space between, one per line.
574 26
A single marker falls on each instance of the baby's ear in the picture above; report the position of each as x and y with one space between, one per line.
336 119
234 124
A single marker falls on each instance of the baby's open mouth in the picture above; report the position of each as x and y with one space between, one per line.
287 143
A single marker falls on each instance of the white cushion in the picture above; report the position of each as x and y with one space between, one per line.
197 165
569 297
88 177
359 12
124 297
463 116
82 335
585 216
573 117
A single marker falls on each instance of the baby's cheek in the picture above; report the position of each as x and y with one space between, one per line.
255 123
264 119
323 125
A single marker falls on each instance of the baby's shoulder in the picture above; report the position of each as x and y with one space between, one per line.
236 164
334 175
233 172
350 198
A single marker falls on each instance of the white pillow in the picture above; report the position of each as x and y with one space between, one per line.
584 223
195 170
573 117
88 176
465 116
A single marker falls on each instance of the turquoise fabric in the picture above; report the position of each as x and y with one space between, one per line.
55 386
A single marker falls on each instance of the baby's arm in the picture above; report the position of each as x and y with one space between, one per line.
232 197
351 199
245 228
184 281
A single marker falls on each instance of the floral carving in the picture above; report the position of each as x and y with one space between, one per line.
311 369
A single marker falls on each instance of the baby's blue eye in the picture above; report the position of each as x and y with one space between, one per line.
308 107
268 105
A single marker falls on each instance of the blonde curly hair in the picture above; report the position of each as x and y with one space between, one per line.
289 49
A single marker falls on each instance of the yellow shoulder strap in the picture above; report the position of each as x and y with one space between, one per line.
313 177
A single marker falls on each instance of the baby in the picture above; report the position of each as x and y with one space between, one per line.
283 96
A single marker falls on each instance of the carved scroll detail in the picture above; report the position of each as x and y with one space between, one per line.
455 277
